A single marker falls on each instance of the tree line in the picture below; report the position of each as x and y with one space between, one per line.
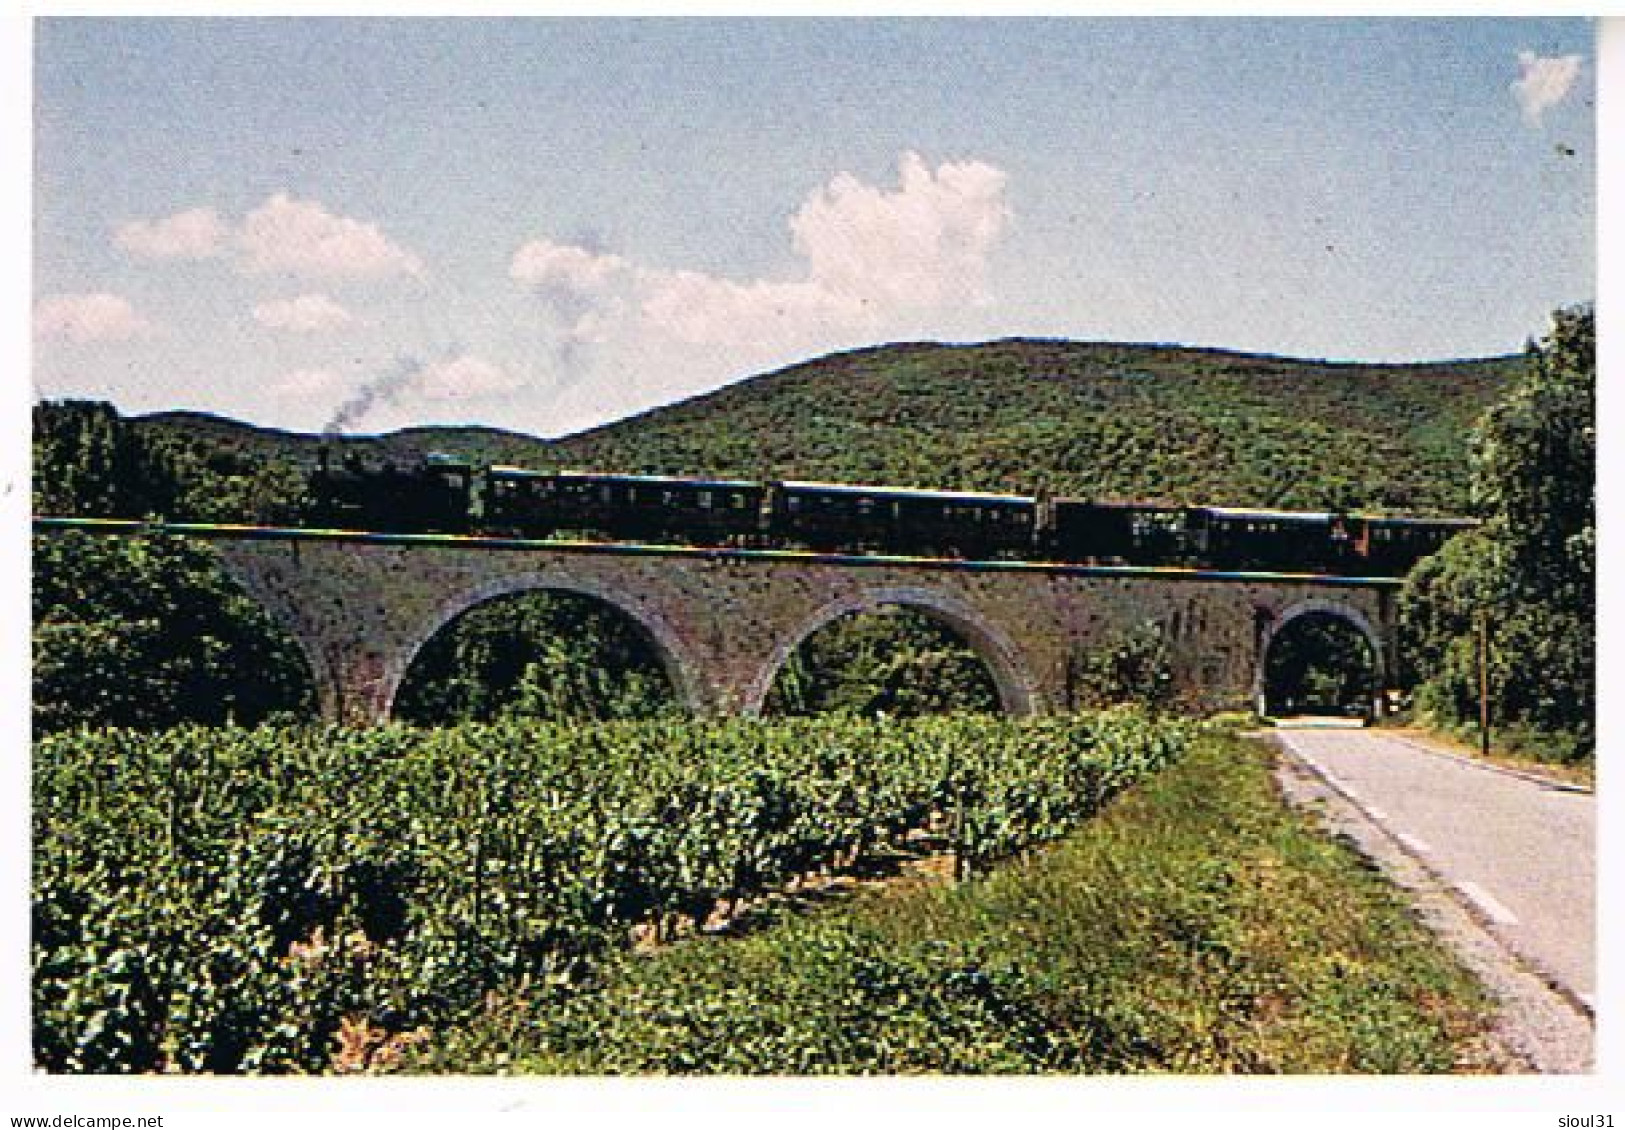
1519 593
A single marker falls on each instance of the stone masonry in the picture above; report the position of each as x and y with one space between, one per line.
723 622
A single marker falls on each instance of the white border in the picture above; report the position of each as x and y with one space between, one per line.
1352 1102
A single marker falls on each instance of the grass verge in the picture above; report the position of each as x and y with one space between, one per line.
1511 748
1197 925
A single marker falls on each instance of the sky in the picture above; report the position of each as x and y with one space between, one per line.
545 225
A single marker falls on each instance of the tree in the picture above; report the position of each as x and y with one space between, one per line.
1531 566
1319 664
91 462
897 661
151 632
554 655
1132 666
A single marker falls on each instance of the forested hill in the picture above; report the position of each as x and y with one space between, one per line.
1106 421
481 444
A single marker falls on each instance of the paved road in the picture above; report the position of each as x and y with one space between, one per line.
1520 853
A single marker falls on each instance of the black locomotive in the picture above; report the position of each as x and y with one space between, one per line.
432 497
446 495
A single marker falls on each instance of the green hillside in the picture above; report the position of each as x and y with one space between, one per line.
1107 421
1142 422
480 444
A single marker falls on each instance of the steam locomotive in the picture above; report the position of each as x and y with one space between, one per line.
447 495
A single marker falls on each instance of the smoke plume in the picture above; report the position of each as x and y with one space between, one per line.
385 388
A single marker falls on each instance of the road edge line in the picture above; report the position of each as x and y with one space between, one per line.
1572 997
1507 770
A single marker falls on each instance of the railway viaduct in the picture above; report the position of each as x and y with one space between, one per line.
724 621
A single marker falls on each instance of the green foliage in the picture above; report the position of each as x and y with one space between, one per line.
1133 667
91 462
1194 926
1531 566
553 655
231 900
1535 452
898 662
151 632
1095 420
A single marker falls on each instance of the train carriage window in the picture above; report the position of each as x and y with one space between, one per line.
792 503
705 500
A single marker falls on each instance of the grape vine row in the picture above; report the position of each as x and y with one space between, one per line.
218 900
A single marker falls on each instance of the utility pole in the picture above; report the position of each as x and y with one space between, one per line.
1484 681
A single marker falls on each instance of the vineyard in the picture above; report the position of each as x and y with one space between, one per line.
234 900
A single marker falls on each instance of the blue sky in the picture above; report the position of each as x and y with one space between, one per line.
546 224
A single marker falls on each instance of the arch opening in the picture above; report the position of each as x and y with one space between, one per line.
902 652
1320 662
537 653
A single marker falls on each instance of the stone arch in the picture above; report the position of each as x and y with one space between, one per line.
325 677
680 667
324 659
1018 691
1316 606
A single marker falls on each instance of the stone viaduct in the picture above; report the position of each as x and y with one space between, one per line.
724 621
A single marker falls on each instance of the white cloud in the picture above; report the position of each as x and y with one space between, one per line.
698 308
596 327
309 384
542 263
84 318
868 254
1544 82
283 235
301 237
925 244
309 313
462 378
195 234
871 255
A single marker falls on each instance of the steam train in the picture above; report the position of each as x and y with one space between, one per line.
447 495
